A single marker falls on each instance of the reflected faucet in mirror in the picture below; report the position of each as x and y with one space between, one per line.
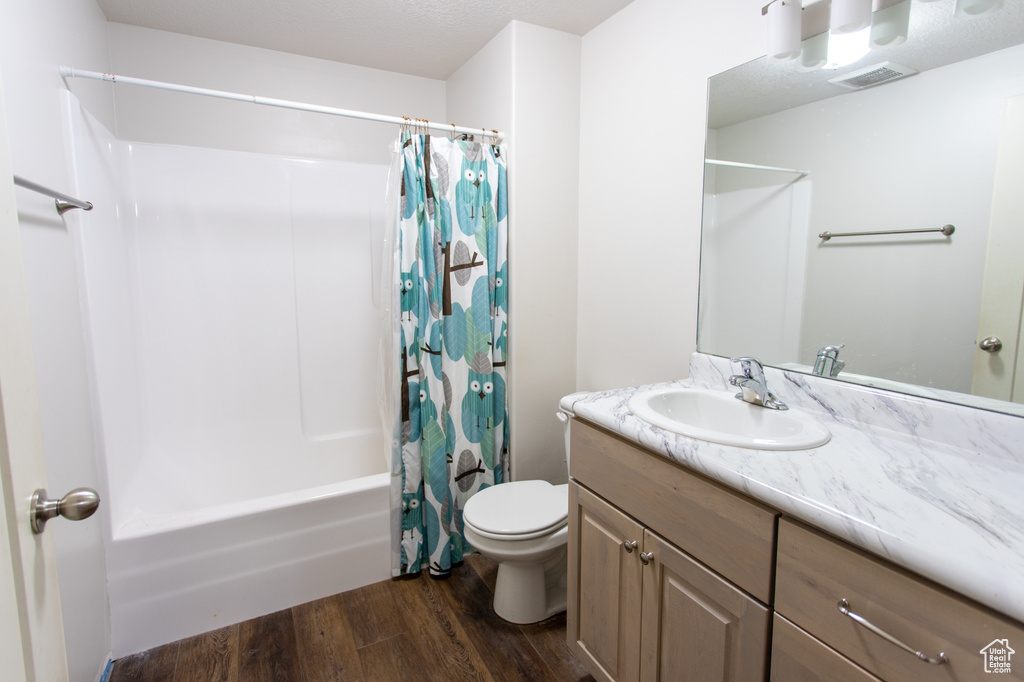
753 385
828 364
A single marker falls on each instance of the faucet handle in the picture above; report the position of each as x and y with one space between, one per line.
749 366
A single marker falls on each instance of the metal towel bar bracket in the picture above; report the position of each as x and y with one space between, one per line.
63 202
945 230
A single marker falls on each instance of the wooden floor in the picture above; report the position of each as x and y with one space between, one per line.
419 629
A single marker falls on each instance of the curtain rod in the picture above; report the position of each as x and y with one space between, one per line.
69 72
737 164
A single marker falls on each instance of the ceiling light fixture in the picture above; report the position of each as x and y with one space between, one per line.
890 26
846 48
783 29
849 16
813 53
853 29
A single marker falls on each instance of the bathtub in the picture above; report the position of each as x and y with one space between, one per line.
178 568
232 341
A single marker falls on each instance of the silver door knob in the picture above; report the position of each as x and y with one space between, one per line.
80 503
992 344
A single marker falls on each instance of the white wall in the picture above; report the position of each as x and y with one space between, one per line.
480 94
34 39
147 115
526 82
642 129
906 308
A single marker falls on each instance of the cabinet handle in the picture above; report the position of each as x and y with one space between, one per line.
844 608
629 545
646 557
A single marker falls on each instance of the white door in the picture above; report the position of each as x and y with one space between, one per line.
31 629
999 374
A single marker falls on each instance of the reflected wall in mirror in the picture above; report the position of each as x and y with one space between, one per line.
943 146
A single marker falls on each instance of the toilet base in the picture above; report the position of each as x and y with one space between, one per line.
531 592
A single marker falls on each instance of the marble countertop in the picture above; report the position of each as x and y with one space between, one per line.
933 487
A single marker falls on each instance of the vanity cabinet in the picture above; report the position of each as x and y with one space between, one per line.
673 576
644 538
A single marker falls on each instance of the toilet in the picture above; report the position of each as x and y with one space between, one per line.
524 527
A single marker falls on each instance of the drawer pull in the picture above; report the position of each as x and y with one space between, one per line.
844 608
629 545
646 557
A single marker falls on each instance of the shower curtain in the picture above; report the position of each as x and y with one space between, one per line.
445 342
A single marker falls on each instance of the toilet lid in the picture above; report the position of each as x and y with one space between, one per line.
518 508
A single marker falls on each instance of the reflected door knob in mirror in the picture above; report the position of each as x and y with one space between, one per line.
991 345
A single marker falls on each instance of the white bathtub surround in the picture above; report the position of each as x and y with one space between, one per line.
931 486
232 351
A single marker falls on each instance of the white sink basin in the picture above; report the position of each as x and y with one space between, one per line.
718 417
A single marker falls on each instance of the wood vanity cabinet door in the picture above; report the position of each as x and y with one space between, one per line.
603 615
697 626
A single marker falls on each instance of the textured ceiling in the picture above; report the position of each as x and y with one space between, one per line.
936 37
430 38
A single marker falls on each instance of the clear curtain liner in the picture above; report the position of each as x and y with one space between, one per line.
389 309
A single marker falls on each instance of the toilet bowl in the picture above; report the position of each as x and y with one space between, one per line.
523 526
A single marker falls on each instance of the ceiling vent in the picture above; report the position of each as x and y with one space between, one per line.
872 75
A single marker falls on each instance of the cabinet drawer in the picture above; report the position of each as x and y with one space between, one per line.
798 657
815 572
733 535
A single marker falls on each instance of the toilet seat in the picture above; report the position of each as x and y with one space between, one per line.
520 510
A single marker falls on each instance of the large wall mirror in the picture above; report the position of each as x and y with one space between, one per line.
943 146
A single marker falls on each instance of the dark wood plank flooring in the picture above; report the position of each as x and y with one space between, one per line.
418 629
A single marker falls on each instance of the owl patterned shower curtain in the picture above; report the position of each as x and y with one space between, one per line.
449 330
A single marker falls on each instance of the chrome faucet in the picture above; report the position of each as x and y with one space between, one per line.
753 386
828 363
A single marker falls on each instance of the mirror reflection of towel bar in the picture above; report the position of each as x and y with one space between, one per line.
754 166
945 229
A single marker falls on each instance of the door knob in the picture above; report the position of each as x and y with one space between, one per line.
992 344
78 504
